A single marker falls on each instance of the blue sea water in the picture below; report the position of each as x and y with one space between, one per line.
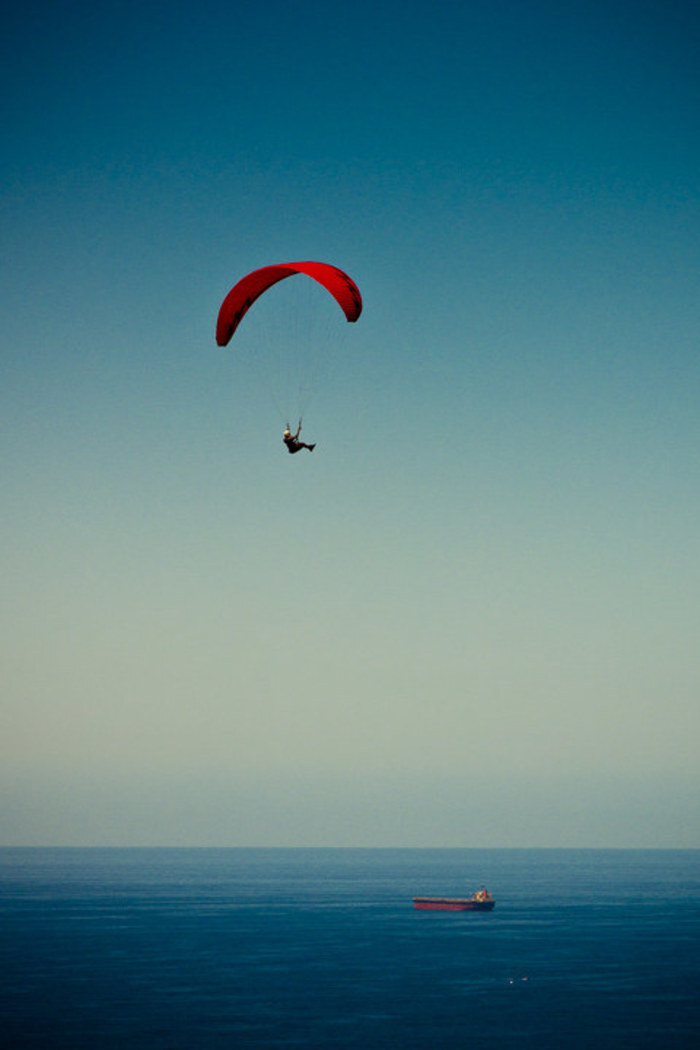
206 948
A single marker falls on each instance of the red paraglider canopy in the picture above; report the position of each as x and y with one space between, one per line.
243 295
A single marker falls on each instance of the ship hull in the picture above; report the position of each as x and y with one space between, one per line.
452 904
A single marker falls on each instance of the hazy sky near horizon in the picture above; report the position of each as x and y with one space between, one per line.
471 617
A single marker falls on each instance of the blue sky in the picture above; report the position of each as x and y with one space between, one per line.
471 617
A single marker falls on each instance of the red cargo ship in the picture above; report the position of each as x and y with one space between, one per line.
481 901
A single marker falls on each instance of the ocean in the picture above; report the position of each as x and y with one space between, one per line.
168 949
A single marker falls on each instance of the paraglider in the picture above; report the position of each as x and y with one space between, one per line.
249 289
292 440
242 296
